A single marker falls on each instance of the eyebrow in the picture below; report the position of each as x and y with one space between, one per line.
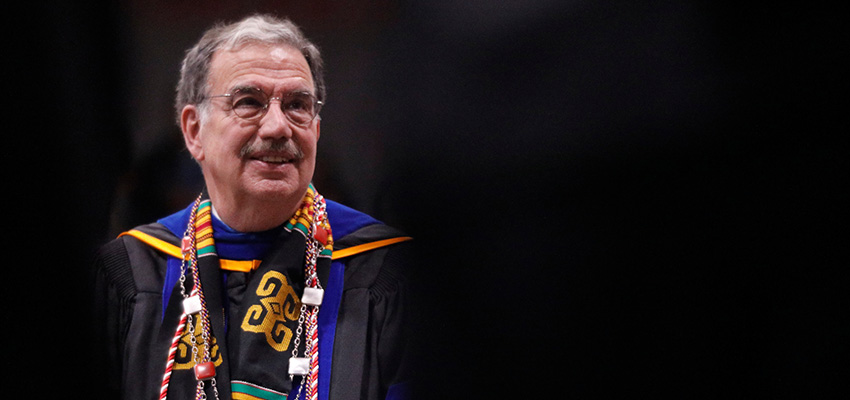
251 86
245 87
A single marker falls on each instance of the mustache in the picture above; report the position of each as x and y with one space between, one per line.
283 147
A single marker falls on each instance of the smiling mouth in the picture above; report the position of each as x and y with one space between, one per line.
273 152
274 159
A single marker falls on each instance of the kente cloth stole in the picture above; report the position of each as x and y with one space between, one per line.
267 316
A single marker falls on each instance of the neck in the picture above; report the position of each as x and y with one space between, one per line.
254 215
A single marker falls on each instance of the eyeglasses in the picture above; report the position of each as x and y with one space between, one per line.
252 103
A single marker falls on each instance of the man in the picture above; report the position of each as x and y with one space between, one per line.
261 288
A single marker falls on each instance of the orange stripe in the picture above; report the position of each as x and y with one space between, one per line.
239 265
174 251
245 266
337 254
158 244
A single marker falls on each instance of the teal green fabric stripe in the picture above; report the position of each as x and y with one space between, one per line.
239 387
302 228
206 250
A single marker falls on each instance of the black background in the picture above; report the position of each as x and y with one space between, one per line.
607 197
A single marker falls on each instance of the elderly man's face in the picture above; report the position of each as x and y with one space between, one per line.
268 158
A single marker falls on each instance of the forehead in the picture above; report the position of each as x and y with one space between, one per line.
272 68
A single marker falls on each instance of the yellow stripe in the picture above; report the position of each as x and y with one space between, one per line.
205 243
204 231
337 254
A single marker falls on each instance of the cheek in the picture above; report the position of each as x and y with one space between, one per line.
225 142
309 142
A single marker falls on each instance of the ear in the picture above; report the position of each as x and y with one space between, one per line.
190 124
318 128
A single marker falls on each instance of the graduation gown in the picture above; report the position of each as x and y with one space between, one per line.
362 322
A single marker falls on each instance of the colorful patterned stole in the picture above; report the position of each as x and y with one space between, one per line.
269 315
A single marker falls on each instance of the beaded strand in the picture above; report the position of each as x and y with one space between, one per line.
199 234
188 242
204 368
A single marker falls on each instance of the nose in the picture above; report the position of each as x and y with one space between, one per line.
274 124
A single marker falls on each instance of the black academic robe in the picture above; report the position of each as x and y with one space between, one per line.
365 325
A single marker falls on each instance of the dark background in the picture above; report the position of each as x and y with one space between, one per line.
608 197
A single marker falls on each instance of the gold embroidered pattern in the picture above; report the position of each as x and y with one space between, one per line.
183 357
278 304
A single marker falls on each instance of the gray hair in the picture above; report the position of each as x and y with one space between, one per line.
265 29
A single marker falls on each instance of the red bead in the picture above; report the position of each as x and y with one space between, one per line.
321 234
186 244
204 371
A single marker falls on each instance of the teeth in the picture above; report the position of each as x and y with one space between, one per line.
273 159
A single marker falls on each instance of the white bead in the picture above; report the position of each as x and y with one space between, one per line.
192 304
312 296
299 366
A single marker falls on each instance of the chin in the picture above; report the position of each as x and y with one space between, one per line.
278 189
